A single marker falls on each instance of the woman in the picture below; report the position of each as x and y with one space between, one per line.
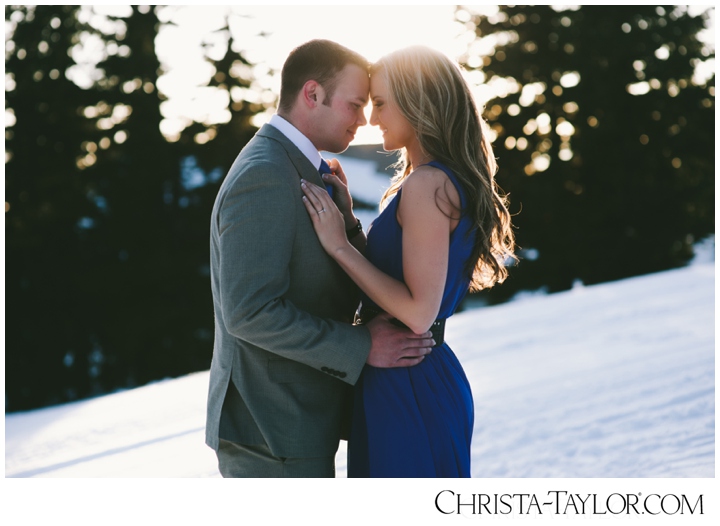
447 230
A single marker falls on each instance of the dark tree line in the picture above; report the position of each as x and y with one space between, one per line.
107 280
605 143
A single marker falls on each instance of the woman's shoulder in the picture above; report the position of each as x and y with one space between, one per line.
426 177
432 181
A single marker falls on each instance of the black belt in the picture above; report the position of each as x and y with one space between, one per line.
365 314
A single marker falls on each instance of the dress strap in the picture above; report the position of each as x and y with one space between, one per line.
452 177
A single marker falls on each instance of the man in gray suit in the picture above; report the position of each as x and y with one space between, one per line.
286 353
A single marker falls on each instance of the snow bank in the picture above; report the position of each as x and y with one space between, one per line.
611 380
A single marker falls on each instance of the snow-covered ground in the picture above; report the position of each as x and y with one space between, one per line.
612 380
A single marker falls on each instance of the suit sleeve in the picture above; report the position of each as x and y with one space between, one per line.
256 226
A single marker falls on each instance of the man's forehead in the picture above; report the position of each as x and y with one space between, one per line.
355 82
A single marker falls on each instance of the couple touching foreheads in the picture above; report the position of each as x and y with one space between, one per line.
296 364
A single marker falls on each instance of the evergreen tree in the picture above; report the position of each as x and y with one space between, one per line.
156 318
142 283
48 354
217 145
107 264
207 150
604 139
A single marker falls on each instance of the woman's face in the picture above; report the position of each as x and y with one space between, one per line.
397 131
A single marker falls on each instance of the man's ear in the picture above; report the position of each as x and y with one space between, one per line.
313 94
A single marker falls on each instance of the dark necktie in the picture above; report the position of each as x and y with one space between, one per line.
325 169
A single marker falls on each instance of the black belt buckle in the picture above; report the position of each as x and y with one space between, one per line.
365 314
438 332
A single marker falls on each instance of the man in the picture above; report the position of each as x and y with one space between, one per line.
285 353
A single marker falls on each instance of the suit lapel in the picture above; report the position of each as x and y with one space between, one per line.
304 167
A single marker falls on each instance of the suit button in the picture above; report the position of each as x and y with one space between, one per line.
342 375
325 369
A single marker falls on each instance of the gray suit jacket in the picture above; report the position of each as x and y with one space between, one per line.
283 309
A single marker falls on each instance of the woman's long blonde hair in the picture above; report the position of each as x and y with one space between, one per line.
433 96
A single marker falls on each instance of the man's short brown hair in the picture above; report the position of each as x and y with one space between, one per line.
318 60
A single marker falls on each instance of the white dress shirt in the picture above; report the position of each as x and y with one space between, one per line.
298 139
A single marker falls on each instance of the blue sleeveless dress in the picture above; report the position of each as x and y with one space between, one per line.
415 421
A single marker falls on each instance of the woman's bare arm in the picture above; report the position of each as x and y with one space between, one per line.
426 238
